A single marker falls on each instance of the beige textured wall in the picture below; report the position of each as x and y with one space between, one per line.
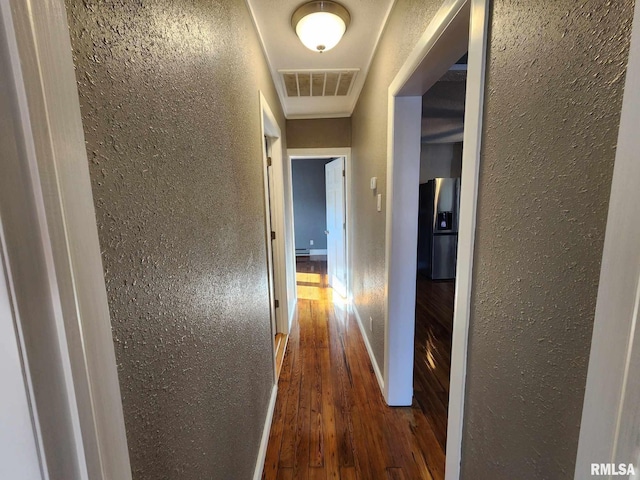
555 77
169 98
319 133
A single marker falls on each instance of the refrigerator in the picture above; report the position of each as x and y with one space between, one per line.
438 228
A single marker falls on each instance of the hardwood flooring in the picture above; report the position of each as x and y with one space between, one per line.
330 420
432 359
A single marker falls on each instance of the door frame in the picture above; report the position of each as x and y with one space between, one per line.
56 175
279 271
442 44
308 153
606 422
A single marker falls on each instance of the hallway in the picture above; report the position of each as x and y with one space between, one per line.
330 418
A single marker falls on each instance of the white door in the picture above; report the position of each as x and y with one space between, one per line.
336 226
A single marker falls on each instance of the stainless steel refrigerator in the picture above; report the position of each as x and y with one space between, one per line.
438 228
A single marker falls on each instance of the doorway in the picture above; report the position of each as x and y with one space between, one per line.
459 26
442 131
319 205
279 264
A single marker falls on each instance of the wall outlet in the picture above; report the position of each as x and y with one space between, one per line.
370 324
310 242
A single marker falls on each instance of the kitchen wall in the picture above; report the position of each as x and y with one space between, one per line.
170 107
309 202
319 133
440 160
553 96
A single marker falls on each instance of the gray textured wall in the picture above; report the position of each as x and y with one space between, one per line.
309 202
320 133
554 91
169 96
555 78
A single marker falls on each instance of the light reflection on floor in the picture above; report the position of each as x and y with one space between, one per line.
305 292
430 347
314 278
313 286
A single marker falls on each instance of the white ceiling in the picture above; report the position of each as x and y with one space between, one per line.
284 51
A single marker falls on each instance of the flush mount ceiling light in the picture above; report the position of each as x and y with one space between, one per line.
320 25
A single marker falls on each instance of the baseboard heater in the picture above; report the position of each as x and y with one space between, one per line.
302 252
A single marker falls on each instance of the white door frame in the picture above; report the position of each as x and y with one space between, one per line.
441 45
302 153
274 222
65 235
609 424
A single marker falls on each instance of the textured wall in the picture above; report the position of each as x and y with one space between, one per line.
309 202
169 96
554 91
407 22
319 133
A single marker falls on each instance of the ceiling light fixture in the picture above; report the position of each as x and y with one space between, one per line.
320 25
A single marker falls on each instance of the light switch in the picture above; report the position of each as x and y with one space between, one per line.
374 183
379 202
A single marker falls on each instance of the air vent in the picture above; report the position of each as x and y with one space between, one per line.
315 83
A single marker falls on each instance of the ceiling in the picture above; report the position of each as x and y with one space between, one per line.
346 65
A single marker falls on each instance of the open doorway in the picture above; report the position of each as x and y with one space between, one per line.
442 130
309 193
319 207
319 213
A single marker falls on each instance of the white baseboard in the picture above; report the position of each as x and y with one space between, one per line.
376 369
318 251
262 453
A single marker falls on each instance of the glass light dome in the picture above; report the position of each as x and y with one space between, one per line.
320 25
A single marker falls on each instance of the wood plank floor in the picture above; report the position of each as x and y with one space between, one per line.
330 420
432 359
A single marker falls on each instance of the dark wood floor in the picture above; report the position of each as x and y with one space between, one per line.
432 359
330 420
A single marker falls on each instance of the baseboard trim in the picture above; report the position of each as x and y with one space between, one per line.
376 369
262 453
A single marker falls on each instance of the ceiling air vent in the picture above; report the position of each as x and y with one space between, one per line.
316 83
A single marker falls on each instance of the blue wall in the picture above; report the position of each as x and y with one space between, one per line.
309 202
